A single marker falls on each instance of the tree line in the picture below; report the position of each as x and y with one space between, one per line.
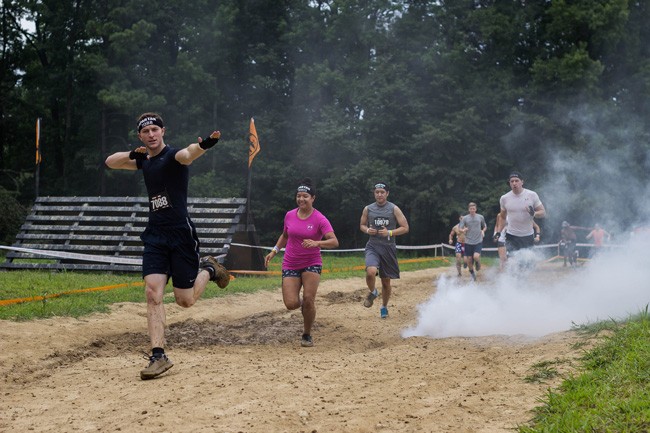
441 99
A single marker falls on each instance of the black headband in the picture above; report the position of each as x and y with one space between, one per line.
304 188
149 121
381 185
515 174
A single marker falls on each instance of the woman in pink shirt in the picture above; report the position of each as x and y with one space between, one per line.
306 231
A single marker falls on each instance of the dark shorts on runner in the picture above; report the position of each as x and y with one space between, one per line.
173 252
384 258
297 273
470 250
514 243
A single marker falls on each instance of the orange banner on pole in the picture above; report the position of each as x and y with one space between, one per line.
254 147
39 158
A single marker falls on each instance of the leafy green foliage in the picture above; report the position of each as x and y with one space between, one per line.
11 217
442 98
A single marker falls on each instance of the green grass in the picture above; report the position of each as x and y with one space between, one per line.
57 289
611 393
543 371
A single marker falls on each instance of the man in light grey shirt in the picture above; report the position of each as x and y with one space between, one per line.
474 226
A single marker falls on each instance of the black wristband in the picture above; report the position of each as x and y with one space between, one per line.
137 155
210 141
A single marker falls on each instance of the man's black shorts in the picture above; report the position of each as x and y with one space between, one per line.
514 243
172 251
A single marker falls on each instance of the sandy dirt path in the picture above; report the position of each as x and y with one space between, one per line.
239 367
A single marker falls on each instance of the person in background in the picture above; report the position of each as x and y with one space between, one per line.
568 239
305 232
382 221
598 235
473 224
460 244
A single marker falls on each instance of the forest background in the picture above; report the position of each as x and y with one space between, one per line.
441 99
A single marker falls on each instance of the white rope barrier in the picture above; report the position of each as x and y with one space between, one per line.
83 257
77 256
138 261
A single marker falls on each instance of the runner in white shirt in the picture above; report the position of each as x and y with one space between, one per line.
521 206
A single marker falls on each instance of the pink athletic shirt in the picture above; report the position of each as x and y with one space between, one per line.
314 227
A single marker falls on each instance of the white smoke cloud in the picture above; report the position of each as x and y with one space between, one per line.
602 180
537 302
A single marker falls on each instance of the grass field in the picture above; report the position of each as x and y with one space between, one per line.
75 294
610 391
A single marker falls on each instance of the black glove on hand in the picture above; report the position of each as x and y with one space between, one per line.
531 211
210 141
496 237
138 154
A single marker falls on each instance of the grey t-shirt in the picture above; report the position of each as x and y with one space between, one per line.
474 223
382 216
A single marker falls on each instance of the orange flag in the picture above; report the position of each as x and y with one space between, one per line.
254 147
38 139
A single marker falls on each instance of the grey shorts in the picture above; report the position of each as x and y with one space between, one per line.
384 258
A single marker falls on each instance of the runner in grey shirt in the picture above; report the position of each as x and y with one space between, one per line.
474 226
382 221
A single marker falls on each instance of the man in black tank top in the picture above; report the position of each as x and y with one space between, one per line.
382 221
171 245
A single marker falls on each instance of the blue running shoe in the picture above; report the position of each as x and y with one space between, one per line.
384 312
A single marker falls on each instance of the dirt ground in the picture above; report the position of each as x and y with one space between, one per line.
239 367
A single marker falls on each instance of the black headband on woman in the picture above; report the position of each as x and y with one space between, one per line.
306 188
149 120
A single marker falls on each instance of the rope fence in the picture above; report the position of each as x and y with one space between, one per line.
438 249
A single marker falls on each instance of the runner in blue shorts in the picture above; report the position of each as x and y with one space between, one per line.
460 243
473 225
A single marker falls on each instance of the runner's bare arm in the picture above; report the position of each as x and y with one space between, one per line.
363 224
189 154
501 217
193 151
402 223
281 243
121 161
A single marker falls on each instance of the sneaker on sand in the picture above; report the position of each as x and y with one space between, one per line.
157 366
370 298
383 312
306 341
